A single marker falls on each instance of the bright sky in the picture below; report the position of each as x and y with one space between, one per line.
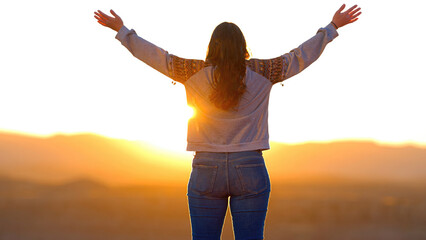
61 72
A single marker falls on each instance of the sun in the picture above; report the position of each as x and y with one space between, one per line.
172 138
189 112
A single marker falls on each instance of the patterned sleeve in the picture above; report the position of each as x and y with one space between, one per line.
272 69
181 69
285 66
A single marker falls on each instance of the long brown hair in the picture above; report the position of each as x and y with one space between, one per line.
227 53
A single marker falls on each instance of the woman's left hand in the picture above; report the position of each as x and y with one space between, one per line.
115 23
340 18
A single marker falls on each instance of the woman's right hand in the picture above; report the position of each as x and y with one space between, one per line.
115 23
340 18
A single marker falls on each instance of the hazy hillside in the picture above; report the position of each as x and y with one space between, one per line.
353 160
88 210
62 158
320 191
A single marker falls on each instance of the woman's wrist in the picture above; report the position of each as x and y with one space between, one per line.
118 27
335 26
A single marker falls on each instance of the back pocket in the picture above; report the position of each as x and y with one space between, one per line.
253 177
202 178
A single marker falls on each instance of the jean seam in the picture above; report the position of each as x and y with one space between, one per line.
227 174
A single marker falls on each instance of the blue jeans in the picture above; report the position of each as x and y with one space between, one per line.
240 176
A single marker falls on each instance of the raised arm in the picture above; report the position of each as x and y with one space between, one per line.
285 66
179 69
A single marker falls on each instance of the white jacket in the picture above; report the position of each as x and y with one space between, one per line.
216 130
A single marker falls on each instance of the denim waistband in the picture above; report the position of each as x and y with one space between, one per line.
227 155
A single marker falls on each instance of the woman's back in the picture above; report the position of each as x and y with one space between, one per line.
246 127
217 130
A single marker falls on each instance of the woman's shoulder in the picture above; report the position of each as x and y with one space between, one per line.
181 69
271 69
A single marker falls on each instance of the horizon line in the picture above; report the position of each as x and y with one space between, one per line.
406 143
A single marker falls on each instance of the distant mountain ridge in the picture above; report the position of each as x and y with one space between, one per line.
353 160
117 162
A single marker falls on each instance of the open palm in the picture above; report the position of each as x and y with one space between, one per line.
115 22
349 16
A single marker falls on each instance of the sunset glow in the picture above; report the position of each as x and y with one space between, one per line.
93 141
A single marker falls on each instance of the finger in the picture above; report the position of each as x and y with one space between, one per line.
352 8
354 11
100 20
353 20
356 15
113 13
103 24
341 8
101 16
104 15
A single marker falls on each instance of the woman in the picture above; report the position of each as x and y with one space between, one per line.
230 94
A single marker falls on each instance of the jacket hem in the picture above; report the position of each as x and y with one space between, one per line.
205 147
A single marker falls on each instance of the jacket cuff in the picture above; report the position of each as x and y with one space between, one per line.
331 31
121 34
